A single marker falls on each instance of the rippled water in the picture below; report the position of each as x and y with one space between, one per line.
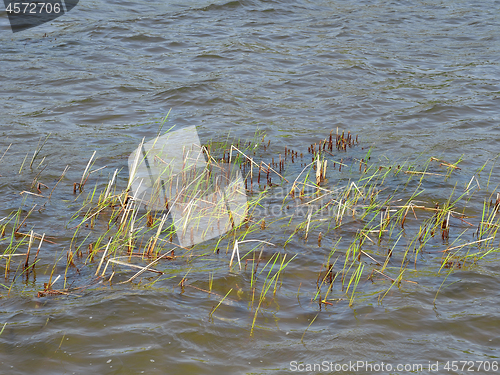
411 78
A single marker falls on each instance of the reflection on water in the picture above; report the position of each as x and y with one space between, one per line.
414 80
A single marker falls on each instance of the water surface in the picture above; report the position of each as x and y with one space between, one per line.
412 79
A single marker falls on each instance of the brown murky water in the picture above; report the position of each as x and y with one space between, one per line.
412 79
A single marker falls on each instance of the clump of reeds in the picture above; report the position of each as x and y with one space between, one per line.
370 220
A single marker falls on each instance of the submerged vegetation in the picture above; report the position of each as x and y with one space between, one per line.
369 221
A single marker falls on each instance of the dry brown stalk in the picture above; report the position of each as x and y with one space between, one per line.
103 256
22 222
44 293
30 193
5 152
90 217
37 236
160 227
467 244
12 255
393 280
130 265
206 291
428 209
26 264
82 182
364 234
318 171
486 223
60 178
470 182
445 163
370 257
241 152
424 173
307 227
38 250
144 269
